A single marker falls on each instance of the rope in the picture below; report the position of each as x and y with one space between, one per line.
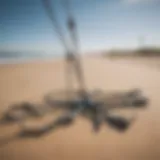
72 55
72 27
71 23
51 15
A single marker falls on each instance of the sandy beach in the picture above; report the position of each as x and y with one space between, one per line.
31 81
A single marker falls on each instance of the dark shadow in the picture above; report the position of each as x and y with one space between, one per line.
29 132
20 112
118 123
94 107
63 121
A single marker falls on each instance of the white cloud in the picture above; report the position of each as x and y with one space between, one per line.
138 1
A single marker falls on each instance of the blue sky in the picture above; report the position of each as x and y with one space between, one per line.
102 24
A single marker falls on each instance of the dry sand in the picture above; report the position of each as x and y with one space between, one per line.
30 81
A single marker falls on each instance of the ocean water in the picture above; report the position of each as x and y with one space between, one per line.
21 57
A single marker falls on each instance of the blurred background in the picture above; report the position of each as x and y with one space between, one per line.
119 42
105 25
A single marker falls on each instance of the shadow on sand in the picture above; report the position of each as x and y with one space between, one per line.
96 108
